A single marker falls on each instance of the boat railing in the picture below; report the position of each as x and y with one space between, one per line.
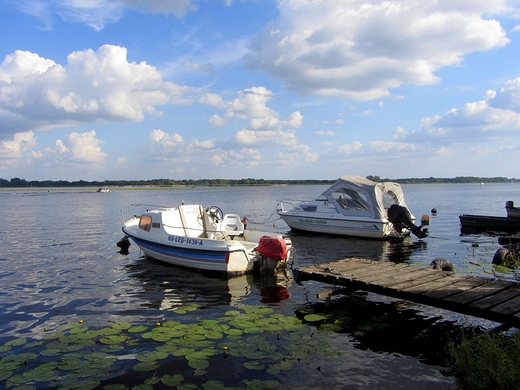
128 212
288 204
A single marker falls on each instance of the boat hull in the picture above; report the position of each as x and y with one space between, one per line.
197 253
363 228
483 222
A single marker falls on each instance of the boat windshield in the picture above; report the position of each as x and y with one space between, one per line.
351 200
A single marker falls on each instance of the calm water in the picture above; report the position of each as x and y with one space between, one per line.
60 264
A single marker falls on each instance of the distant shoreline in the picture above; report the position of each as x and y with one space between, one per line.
186 183
94 188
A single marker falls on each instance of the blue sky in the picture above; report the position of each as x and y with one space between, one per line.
287 89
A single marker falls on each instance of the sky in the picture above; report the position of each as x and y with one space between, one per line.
269 89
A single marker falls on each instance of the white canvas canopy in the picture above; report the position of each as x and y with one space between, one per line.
358 196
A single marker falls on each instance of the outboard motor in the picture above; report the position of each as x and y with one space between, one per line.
401 219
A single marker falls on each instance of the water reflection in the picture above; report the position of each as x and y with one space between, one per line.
166 287
317 249
394 327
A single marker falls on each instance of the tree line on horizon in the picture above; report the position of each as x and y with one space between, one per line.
22 183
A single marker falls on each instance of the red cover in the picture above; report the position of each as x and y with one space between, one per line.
272 247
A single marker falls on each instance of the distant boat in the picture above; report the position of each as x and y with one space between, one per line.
510 223
103 189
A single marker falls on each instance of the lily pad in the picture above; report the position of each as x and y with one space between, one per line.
254 365
146 366
172 380
317 317
113 339
137 329
198 364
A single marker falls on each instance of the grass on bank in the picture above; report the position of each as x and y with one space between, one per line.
486 361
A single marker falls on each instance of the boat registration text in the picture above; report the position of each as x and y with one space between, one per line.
186 240
315 221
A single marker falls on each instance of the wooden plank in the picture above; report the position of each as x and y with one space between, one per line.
497 299
479 292
436 284
361 273
426 277
401 275
455 288
507 308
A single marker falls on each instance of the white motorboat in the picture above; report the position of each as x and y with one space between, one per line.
355 206
205 239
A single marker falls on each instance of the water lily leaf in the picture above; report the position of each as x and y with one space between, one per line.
213 385
143 386
254 365
182 351
122 325
187 386
215 335
53 336
16 342
172 380
4 374
160 337
108 331
234 332
78 329
88 384
317 317
137 329
114 387
113 339
71 364
146 366
87 335
233 313
253 330
198 364
17 380
204 354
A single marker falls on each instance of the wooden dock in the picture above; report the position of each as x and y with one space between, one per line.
477 296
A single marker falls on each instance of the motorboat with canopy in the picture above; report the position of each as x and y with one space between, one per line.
355 206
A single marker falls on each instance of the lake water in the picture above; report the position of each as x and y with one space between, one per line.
60 266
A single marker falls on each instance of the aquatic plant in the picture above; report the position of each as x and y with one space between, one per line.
173 352
486 361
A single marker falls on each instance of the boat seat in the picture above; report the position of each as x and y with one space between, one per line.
231 225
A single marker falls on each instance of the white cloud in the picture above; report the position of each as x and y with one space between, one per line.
323 133
496 117
361 49
37 93
84 147
10 150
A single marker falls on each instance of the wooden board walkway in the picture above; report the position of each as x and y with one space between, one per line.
477 296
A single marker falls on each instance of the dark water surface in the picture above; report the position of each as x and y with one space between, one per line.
59 264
